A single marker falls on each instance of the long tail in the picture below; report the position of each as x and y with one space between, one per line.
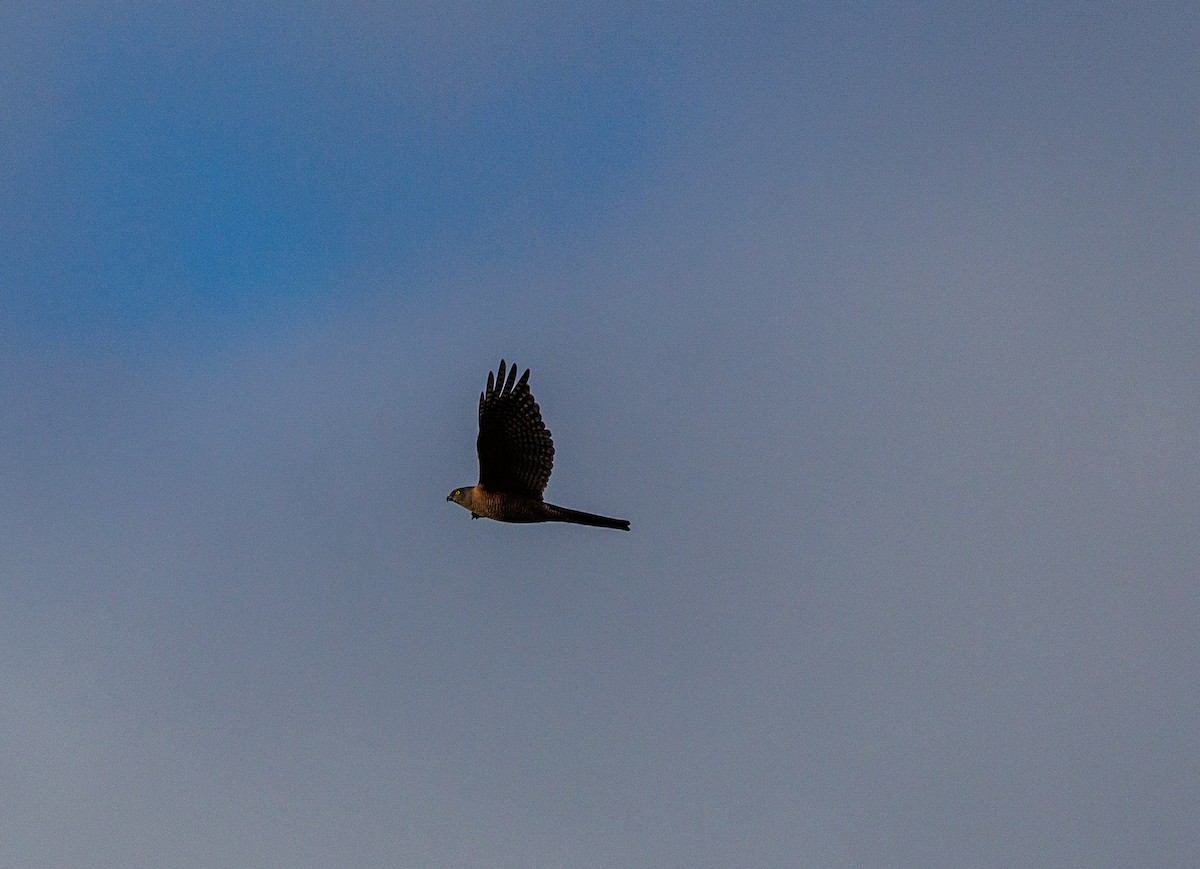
564 514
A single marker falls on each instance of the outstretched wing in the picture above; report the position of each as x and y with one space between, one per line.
516 453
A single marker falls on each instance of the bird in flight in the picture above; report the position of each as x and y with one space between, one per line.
516 456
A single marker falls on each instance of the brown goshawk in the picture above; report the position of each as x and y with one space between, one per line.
516 456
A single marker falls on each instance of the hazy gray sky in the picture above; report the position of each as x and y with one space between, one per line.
879 324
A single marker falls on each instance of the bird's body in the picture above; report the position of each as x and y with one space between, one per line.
516 455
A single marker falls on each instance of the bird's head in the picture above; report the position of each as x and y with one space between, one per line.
457 496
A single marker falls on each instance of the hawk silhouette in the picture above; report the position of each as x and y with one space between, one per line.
516 456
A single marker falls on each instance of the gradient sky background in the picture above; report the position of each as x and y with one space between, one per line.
881 323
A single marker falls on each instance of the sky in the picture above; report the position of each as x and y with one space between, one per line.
877 321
